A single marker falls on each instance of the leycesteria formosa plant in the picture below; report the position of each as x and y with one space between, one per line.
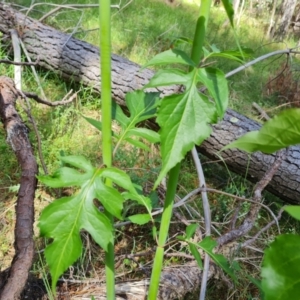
184 121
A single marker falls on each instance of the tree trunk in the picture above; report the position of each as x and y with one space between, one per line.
79 61
272 20
287 8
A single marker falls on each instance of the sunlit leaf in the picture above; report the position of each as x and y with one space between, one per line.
150 135
141 199
79 162
64 218
184 120
172 56
235 55
97 124
216 83
64 177
293 210
137 144
280 132
140 219
229 10
280 271
169 77
190 230
196 254
141 106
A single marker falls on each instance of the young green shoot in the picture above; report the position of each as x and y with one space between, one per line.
105 47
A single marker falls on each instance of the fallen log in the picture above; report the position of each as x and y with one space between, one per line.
13 281
79 61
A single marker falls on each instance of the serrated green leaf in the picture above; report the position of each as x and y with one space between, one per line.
110 198
216 83
142 106
150 135
64 177
172 56
293 210
281 272
118 115
229 10
184 118
184 122
214 48
190 230
181 238
236 55
182 40
59 263
78 161
63 219
225 55
154 199
207 244
140 219
97 124
279 132
137 144
141 199
119 177
196 254
169 77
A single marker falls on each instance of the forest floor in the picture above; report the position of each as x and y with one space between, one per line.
141 29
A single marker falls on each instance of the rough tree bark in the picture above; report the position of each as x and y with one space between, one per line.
287 9
11 287
79 61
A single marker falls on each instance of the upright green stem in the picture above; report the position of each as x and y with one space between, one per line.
163 231
196 55
174 173
105 48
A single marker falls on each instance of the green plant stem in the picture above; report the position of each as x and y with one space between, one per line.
196 55
163 232
200 31
105 46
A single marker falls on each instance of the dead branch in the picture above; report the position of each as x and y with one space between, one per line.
49 103
10 62
17 137
248 223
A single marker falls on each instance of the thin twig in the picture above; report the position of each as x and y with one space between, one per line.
49 103
207 219
263 114
68 6
73 31
197 191
254 209
254 238
37 79
38 137
10 62
258 59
